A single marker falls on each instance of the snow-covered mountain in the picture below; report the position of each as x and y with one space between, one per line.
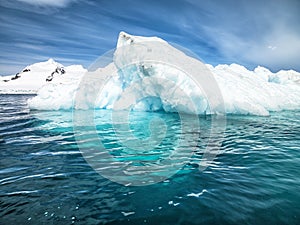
35 76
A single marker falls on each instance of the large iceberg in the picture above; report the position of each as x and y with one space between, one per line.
243 91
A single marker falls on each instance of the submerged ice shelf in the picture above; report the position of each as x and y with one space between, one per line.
244 92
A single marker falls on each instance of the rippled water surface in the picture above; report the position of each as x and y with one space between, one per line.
44 179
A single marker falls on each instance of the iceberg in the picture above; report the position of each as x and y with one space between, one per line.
256 92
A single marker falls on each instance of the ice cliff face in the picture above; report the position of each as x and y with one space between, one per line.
255 92
244 92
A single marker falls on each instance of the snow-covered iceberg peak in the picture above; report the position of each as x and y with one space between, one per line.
127 39
155 85
149 74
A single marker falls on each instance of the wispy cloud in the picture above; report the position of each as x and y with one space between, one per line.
250 33
253 33
45 3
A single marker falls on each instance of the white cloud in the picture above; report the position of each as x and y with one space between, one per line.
272 47
270 37
45 3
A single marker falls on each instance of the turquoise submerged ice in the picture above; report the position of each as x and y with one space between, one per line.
255 92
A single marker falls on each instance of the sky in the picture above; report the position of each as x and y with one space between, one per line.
249 33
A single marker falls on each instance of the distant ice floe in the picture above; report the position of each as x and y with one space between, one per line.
255 92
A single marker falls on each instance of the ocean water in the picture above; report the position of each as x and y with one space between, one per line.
44 179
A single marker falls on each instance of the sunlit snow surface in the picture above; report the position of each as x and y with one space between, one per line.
244 92
33 77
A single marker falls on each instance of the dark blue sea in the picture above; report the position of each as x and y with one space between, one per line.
45 179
